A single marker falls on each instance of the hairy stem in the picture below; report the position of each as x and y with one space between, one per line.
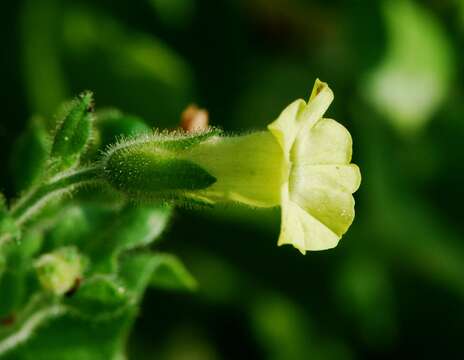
37 312
33 201
28 206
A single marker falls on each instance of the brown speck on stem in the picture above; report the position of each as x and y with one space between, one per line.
194 119
9 320
73 290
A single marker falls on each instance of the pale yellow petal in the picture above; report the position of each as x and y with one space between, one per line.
303 231
319 87
327 142
291 231
320 100
286 127
339 177
299 115
325 193
334 209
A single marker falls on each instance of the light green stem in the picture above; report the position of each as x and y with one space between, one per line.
37 312
33 201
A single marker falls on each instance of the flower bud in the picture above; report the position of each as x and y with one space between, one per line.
74 131
194 119
59 271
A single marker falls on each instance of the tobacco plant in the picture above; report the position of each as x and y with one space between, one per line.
78 245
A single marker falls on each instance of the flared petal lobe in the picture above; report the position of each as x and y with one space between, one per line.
317 202
299 114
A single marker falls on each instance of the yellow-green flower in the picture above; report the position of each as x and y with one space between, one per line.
301 163
316 194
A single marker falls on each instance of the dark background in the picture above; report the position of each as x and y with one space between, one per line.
395 284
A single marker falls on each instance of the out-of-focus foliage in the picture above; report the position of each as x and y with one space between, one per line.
170 273
29 154
415 75
174 13
395 284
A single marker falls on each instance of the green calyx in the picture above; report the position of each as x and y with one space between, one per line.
154 166
74 131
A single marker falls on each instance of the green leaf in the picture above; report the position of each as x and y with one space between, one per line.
9 230
74 131
18 258
74 338
99 298
136 271
170 273
415 77
131 228
20 326
75 224
98 319
30 154
140 226
113 124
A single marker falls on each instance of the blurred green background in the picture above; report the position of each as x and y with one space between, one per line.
395 284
